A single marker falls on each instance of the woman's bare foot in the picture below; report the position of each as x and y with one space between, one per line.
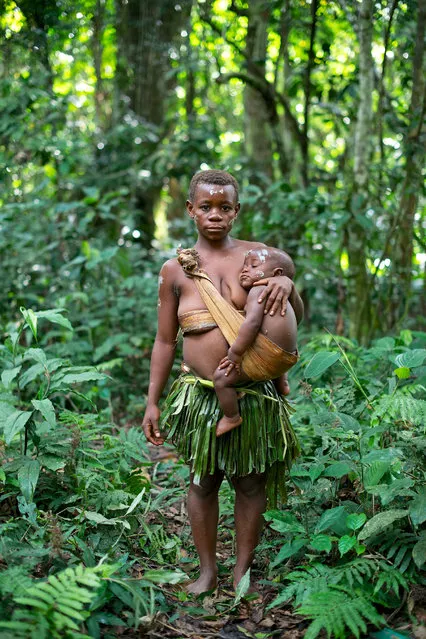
227 423
205 582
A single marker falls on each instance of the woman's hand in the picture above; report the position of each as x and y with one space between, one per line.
150 425
278 290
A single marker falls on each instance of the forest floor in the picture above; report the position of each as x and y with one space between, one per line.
214 615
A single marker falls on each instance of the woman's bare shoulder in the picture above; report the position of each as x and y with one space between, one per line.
171 270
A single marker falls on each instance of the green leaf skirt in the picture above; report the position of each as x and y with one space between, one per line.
264 443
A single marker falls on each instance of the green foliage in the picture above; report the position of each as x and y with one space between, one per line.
337 611
58 606
357 513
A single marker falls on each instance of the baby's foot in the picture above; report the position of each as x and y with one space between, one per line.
227 423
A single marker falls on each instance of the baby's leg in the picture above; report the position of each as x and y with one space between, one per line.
228 399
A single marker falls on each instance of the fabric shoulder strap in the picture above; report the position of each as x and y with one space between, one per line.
260 359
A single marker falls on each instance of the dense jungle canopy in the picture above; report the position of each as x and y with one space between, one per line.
316 107
107 109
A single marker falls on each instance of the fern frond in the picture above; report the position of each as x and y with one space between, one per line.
335 610
401 406
15 580
398 547
60 602
304 583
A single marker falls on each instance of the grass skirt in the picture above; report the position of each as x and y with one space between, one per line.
265 441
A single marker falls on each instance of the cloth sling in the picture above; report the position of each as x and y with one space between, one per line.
264 359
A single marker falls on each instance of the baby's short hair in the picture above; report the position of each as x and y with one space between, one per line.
284 261
212 176
280 259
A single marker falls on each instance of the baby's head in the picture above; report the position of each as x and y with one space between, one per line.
265 262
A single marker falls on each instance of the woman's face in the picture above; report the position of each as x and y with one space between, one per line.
214 210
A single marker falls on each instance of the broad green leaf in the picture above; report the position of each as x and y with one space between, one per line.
30 319
9 375
419 551
284 522
321 543
55 317
6 409
346 543
15 423
417 509
330 518
288 550
242 587
2 475
374 473
165 576
28 476
355 521
337 470
402 372
411 359
51 462
315 471
97 518
38 355
46 408
135 502
349 422
406 337
380 522
320 362
77 378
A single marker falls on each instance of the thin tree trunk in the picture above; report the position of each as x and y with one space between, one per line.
146 33
308 87
359 302
258 139
412 185
97 48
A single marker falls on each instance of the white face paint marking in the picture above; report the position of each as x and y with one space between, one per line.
159 303
216 191
260 274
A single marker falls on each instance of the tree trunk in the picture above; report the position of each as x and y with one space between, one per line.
307 89
146 33
97 50
359 303
412 185
258 138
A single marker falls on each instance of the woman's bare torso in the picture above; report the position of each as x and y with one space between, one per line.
203 351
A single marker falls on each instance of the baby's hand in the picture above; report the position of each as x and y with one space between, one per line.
229 363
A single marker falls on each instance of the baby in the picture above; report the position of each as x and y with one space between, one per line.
258 264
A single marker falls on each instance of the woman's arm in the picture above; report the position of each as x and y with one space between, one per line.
163 352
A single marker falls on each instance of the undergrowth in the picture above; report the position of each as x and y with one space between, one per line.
84 541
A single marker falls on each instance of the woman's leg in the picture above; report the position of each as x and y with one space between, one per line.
250 504
203 511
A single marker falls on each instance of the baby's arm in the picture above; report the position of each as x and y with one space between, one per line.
247 333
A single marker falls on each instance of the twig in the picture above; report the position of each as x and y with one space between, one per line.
395 612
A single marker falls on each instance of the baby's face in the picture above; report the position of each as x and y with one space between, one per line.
257 265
